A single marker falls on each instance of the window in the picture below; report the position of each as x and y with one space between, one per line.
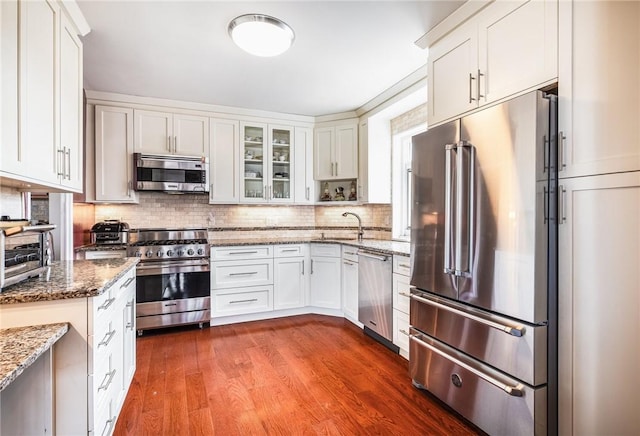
401 175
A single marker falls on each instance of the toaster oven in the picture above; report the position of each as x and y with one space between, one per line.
25 252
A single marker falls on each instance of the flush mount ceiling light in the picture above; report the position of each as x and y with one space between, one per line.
261 35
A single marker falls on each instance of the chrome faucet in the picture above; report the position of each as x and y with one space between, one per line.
360 231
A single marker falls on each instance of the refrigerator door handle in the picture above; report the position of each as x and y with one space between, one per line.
449 190
465 192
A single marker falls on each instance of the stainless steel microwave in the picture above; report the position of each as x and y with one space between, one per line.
171 173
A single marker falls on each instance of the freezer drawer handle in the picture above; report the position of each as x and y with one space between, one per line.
515 391
513 331
373 256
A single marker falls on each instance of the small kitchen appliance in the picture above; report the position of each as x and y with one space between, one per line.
171 173
172 278
110 232
25 251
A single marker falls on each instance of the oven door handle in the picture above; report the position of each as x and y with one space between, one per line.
172 267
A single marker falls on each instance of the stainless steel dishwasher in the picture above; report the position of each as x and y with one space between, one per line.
375 296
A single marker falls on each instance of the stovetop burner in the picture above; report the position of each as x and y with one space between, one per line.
174 244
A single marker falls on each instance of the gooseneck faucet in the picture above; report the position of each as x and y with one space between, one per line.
360 231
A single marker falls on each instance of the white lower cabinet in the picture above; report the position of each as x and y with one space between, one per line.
241 280
350 283
290 276
325 285
401 303
598 301
94 361
101 254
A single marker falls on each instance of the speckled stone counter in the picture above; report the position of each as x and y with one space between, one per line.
387 247
69 279
21 346
94 247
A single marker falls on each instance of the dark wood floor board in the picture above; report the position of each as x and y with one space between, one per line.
302 375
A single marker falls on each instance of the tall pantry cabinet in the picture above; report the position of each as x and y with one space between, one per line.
599 218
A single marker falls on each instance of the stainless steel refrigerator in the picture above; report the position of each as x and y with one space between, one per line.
483 275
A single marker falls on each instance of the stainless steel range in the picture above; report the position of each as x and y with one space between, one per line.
173 277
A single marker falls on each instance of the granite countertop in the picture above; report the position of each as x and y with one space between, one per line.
383 246
69 279
21 346
94 247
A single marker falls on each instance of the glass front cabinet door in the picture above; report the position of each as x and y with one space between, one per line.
266 157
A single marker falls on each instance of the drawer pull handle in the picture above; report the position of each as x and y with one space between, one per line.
243 252
403 265
515 391
517 331
289 250
128 282
251 300
107 338
170 304
404 332
106 304
244 273
404 294
108 378
350 253
108 426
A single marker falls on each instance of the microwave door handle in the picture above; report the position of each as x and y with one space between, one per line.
449 190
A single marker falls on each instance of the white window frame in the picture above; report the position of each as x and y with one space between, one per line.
401 182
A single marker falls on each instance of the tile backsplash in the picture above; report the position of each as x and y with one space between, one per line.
165 210
10 202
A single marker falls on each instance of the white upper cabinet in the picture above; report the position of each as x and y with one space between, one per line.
267 156
224 152
41 59
508 48
599 92
71 106
303 183
169 133
452 74
336 152
114 155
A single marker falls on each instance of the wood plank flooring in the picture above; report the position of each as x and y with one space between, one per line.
302 375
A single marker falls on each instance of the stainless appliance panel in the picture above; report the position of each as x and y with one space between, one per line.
513 347
497 403
375 294
508 234
172 306
432 211
173 319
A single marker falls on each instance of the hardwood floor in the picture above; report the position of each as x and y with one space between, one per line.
300 375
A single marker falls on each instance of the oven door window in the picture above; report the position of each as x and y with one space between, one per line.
172 286
169 175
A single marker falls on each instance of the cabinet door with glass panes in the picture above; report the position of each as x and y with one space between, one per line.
266 160
280 188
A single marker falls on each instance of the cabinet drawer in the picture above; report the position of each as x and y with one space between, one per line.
401 329
242 252
106 380
242 301
103 418
401 293
107 334
233 274
350 253
325 250
402 265
290 250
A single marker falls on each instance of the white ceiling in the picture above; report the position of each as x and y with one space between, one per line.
345 52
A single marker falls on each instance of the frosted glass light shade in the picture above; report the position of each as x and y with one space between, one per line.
261 35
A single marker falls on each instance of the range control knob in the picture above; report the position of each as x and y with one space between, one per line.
200 252
138 253
160 253
149 253
180 253
190 251
169 253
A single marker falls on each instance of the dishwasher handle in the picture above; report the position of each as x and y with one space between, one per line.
380 257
